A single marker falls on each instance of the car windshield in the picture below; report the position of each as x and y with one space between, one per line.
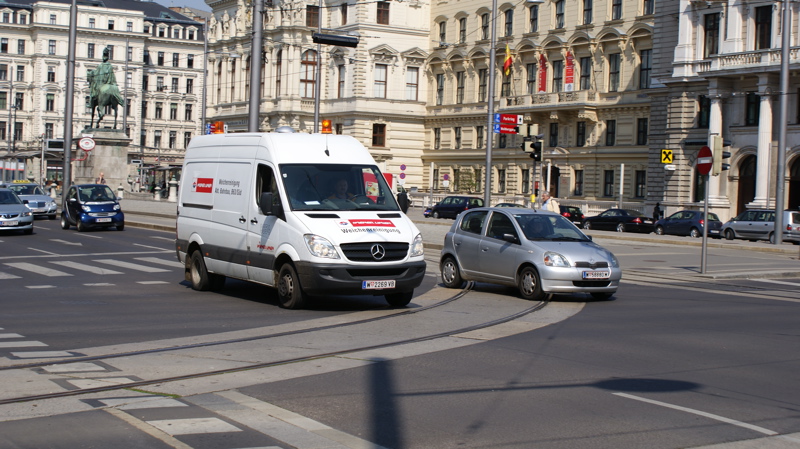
95 194
26 189
325 187
9 198
549 227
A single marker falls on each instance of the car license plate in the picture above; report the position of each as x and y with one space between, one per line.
9 223
376 285
104 220
596 274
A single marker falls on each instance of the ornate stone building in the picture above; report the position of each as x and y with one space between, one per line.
159 50
722 70
374 92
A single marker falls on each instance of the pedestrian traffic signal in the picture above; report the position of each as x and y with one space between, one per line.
718 155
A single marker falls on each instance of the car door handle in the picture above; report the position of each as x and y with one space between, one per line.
242 219
254 221
485 248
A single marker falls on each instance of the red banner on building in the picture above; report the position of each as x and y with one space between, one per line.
569 84
542 75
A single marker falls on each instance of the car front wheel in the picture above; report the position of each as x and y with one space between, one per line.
729 235
436 214
659 230
451 276
530 286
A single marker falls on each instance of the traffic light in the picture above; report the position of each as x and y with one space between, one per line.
536 151
718 155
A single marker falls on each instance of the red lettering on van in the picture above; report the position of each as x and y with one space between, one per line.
363 223
203 185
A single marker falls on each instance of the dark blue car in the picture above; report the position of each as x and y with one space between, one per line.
92 206
688 222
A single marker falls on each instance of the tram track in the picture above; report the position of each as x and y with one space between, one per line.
138 384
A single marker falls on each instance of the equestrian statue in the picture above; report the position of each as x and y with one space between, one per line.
103 90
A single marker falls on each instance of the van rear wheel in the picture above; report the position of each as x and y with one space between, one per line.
290 293
198 274
400 299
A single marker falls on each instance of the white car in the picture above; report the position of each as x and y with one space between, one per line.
14 213
38 202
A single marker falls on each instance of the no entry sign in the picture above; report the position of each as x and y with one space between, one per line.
704 160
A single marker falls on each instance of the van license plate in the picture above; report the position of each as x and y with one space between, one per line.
596 274
104 220
376 285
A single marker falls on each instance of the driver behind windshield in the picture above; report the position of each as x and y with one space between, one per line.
340 191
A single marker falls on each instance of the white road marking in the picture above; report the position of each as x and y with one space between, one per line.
40 286
157 261
66 242
99 284
21 344
49 253
77 367
37 269
82 267
10 336
132 266
152 282
162 238
700 413
193 426
7 276
151 247
42 354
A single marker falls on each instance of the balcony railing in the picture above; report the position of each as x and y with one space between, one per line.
745 59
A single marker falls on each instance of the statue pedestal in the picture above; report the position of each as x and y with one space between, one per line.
109 156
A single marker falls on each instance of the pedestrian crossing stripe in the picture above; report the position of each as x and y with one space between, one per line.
21 344
37 269
84 267
132 266
666 156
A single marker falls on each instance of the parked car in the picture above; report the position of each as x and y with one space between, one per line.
539 252
688 222
620 220
92 206
427 212
41 204
451 206
759 224
509 205
573 214
791 227
14 213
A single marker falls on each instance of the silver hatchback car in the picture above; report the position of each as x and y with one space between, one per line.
539 252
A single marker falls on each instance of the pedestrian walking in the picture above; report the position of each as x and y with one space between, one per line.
657 212
402 200
550 203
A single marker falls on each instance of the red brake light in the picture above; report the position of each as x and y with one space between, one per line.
788 227
565 214
637 220
702 222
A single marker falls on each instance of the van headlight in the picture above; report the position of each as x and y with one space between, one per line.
552 259
416 246
320 246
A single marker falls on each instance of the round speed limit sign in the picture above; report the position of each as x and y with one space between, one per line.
86 144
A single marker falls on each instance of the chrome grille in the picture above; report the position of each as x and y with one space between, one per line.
591 265
362 252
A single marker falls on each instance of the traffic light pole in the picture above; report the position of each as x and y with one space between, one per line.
704 250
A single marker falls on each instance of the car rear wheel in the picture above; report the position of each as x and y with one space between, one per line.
620 227
530 286
400 299
436 214
290 293
64 222
772 238
451 275
729 234
694 233
659 230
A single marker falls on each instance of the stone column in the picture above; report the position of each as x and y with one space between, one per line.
685 50
764 151
732 39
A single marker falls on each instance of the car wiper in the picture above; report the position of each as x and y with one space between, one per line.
568 239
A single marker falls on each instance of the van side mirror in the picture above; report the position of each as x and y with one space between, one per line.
268 206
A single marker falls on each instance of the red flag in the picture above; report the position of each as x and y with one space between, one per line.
508 61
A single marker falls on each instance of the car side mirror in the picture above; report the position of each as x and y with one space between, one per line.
72 200
510 238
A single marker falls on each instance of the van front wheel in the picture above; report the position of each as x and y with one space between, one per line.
290 293
399 299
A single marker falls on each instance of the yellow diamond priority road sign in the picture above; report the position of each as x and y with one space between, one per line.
666 156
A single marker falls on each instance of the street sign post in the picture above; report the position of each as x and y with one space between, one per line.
705 160
86 144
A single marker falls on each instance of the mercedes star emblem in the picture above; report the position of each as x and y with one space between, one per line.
377 252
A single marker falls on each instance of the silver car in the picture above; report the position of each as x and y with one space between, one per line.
14 214
39 202
539 252
754 224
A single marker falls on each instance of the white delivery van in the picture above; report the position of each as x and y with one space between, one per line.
308 214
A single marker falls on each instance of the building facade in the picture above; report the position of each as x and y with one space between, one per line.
157 55
725 81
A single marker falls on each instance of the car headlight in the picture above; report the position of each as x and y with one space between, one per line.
86 208
320 246
552 259
27 214
416 246
51 204
116 207
614 261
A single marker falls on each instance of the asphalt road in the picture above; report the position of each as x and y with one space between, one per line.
675 360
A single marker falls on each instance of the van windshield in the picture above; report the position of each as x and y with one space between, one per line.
336 187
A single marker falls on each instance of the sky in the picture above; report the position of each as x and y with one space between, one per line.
196 4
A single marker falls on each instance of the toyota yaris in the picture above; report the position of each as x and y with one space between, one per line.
539 252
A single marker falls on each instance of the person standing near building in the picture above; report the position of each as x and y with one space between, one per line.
657 212
100 179
549 203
